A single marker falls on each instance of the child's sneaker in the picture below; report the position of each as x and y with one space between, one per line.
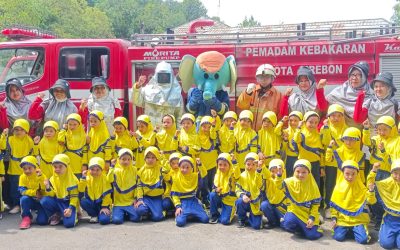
241 223
55 219
214 220
25 223
15 210
94 220
328 214
269 226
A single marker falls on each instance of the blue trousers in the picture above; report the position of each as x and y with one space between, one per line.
272 213
330 182
93 210
292 223
359 233
52 205
242 209
389 234
191 209
290 160
152 206
167 204
28 204
226 215
119 213
15 195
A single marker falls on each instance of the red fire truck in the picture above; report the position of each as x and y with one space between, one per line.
327 51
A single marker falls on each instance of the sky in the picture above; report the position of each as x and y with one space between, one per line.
268 12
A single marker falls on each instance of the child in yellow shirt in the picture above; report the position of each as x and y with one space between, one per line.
246 137
302 213
31 187
97 192
223 195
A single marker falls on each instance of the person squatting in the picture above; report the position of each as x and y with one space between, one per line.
282 175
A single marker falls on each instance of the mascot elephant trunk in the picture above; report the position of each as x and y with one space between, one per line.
209 89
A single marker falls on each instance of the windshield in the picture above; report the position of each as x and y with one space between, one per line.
24 64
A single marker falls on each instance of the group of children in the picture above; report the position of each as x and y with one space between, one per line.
224 165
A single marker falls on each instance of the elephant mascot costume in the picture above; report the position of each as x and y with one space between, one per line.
211 72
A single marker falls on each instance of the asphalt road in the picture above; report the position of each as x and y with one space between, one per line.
161 235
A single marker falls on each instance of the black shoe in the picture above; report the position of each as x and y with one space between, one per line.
241 223
213 220
269 226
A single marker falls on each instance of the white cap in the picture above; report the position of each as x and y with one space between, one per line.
266 69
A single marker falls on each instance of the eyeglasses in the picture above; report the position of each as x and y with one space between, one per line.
355 75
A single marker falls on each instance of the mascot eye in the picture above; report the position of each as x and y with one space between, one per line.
216 76
206 76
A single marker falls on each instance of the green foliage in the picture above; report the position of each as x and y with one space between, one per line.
100 18
67 18
149 16
396 14
249 22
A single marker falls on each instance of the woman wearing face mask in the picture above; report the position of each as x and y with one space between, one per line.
15 105
382 103
346 94
57 107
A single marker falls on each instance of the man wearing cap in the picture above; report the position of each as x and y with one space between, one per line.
382 103
262 97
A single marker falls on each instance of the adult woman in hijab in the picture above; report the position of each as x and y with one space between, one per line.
346 94
382 103
309 98
57 107
15 105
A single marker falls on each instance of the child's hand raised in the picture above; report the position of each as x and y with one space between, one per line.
41 95
141 81
88 139
84 173
38 172
376 166
84 103
288 91
157 129
260 164
133 133
213 113
261 156
285 118
113 162
371 187
366 124
177 132
332 143
198 161
36 140
381 146
300 124
326 122
5 131
233 156
285 135
322 83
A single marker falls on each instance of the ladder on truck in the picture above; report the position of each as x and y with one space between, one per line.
336 31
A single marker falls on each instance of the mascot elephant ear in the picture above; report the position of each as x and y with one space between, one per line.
186 72
233 70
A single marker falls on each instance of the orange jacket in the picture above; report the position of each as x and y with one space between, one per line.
270 101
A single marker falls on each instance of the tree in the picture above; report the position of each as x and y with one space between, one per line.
128 16
67 18
396 15
249 22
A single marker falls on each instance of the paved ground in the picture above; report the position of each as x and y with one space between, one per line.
162 235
